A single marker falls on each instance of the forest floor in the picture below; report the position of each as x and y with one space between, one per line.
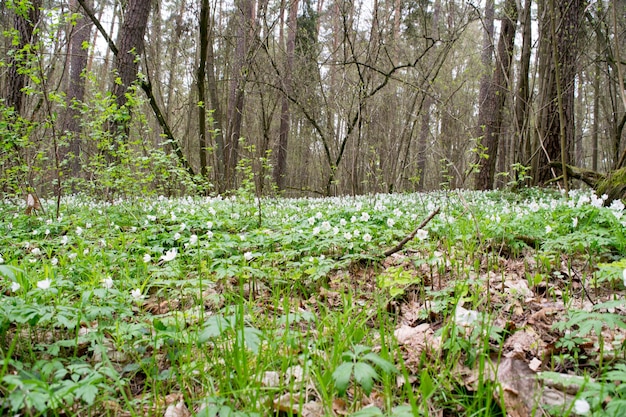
437 304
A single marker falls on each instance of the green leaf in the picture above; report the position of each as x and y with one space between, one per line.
383 364
341 377
214 327
427 386
87 393
10 272
365 374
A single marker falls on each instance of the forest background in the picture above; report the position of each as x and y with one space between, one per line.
302 97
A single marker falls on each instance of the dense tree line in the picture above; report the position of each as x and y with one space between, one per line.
307 97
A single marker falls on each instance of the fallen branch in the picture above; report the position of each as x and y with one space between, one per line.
404 241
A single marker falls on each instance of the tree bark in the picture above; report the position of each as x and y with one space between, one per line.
201 82
24 22
236 101
495 98
522 115
566 26
79 37
130 45
280 169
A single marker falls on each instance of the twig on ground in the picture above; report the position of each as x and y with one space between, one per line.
411 235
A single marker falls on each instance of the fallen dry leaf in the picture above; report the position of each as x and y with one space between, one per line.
177 410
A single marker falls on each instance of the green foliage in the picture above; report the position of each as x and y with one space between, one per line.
134 292
359 363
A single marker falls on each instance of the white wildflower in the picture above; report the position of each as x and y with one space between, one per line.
311 221
54 261
581 406
391 222
147 258
347 235
365 216
548 229
15 286
169 255
79 230
136 294
464 317
209 234
176 236
248 256
36 252
422 234
193 239
343 222
617 205
316 231
45 284
367 237
107 282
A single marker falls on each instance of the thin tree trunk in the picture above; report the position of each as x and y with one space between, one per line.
236 101
522 115
424 137
201 82
79 36
280 168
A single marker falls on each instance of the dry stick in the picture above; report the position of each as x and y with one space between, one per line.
404 241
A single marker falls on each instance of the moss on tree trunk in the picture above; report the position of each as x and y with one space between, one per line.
612 184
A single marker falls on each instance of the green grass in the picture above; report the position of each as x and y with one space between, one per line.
129 307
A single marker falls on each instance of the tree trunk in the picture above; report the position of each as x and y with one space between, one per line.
79 37
130 46
236 99
557 76
522 115
280 168
424 137
495 98
24 22
201 82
